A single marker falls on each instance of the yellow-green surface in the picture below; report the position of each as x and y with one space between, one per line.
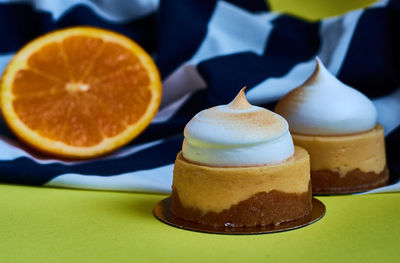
59 225
316 9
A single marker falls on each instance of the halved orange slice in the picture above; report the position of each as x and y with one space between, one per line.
80 92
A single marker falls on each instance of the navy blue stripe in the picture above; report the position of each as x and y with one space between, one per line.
26 171
394 4
252 6
393 153
5 131
226 75
174 126
291 42
372 63
182 27
20 23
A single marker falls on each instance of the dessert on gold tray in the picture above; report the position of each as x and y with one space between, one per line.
239 168
338 127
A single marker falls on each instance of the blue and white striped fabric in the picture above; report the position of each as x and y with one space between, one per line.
206 51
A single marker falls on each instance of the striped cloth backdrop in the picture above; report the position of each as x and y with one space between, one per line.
206 51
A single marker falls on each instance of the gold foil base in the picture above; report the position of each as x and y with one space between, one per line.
163 213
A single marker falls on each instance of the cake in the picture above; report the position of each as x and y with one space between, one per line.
239 168
337 125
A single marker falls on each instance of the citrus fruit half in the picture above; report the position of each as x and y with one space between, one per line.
80 92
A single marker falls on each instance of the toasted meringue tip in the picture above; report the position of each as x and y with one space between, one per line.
240 102
318 66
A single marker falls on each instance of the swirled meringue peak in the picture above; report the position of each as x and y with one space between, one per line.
323 105
237 134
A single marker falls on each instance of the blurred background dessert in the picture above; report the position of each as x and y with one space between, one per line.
338 127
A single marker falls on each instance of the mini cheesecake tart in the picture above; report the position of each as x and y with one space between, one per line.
337 125
242 196
239 168
346 163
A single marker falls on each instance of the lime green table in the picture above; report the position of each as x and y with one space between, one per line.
60 225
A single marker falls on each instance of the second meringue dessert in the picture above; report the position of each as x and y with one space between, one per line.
239 168
338 127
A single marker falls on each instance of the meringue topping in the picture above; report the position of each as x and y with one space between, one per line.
323 105
237 134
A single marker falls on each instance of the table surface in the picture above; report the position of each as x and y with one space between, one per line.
62 225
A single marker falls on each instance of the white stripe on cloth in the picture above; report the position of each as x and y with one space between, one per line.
157 180
388 108
385 189
335 34
381 3
228 33
272 89
4 59
116 11
185 79
11 150
168 112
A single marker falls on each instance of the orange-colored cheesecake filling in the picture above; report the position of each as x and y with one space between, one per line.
342 154
213 189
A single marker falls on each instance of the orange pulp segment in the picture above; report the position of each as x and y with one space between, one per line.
80 92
